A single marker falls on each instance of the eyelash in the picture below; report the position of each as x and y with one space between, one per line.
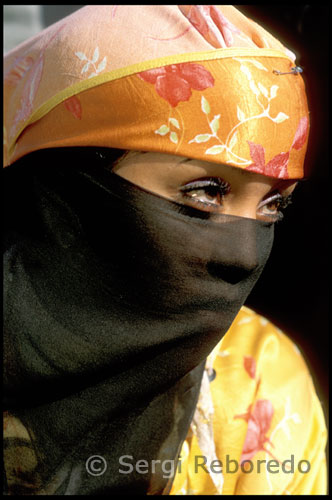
282 203
219 186
215 185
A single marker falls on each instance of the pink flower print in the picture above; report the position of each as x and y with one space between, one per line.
250 366
33 73
18 70
211 24
28 94
73 105
175 82
277 167
259 420
114 8
301 133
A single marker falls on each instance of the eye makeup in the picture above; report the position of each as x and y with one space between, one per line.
274 205
208 194
213 189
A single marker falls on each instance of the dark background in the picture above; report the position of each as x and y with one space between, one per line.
294 289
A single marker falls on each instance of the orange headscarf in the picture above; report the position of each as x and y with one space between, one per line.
197 81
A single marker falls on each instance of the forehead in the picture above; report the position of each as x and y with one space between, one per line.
173 169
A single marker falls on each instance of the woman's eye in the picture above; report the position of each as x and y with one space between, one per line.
206 191
206 195
273 206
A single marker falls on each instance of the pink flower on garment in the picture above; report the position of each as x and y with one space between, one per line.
301 133
250 366
277 167
211 24
259 420
20 67
175 82
73 105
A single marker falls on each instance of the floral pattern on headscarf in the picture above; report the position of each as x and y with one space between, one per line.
195 81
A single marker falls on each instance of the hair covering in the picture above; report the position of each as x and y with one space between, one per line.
198 81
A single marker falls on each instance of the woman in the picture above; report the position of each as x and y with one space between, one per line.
152 149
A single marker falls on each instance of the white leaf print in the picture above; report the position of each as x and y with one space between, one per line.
254 88
246 71
296 418
205 106
201 138
85 67
163 130
263 90
95 55
174 122
214 124
92 74
286 430
34 79
101 65
81 56
223 353
240 114
281 117
174 137
233 141
257 64
273 91
215 150
245 320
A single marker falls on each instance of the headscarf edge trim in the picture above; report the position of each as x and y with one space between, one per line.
116 74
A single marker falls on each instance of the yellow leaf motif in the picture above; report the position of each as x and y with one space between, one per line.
95 55
233 141
214 124
200 138
246 71
253 87
263 90
257 64
101 65
205 106
81 56
281 117
240 114
273 91
174 122
163 130
174 137
214 150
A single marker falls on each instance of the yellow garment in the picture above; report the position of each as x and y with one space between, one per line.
262 397
102 77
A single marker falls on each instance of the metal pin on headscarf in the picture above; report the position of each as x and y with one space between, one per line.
296 70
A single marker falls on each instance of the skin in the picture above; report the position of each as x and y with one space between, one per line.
248 194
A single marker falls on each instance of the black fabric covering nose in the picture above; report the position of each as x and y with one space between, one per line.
113 299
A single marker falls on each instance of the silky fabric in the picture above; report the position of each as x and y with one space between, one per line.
202 82
114 297
257 406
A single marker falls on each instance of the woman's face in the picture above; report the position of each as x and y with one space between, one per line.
207 186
